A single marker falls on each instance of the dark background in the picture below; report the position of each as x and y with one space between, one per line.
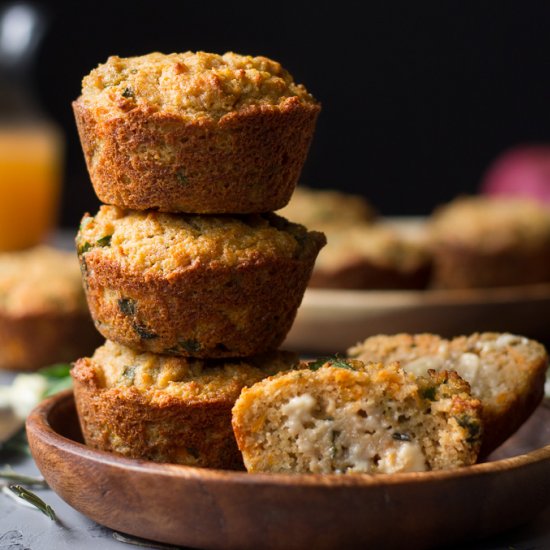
418 97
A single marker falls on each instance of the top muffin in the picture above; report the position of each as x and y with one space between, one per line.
194 132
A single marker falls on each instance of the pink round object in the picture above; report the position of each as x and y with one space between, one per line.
523 171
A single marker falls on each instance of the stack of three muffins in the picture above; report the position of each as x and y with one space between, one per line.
193 286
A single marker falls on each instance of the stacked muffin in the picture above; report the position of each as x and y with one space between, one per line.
188 273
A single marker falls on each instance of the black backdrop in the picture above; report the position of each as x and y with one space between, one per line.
418 97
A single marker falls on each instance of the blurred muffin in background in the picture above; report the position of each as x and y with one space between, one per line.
361 252
488 242
43 314
318 209
375 256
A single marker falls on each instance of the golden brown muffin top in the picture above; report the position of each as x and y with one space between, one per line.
160 376
494 364
492 223
40 280
158 242
190 85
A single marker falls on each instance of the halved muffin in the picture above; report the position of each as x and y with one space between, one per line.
343 416
506 372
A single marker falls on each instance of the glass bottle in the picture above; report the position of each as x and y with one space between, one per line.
30 145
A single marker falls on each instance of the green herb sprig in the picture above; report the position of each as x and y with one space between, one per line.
126 539
31 498
335 361
58 378
9 474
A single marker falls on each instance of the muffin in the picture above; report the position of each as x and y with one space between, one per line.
371 257
191 285
319 209
488 242
350 417
43 313
194 132
165 409
506 372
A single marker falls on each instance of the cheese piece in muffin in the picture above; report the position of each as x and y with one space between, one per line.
194 132
165 409
506 372
191 285
43 313
486 242
350 417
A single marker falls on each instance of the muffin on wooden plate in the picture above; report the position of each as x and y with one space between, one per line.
318 209
43 313
194 132
486 242
506 372
373 256
190 285
165 409
343 416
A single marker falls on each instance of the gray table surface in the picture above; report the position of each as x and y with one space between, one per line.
23 528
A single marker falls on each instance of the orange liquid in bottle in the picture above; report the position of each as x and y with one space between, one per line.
30 178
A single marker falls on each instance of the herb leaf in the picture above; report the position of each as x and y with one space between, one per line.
428 393
332 361
84 247
127 306
129 373
104 241
191 346
142 542
143 332
9 474
181 177
473 427
128 93
58 378
35 500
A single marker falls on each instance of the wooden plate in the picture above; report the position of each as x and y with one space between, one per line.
221 509
330 321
